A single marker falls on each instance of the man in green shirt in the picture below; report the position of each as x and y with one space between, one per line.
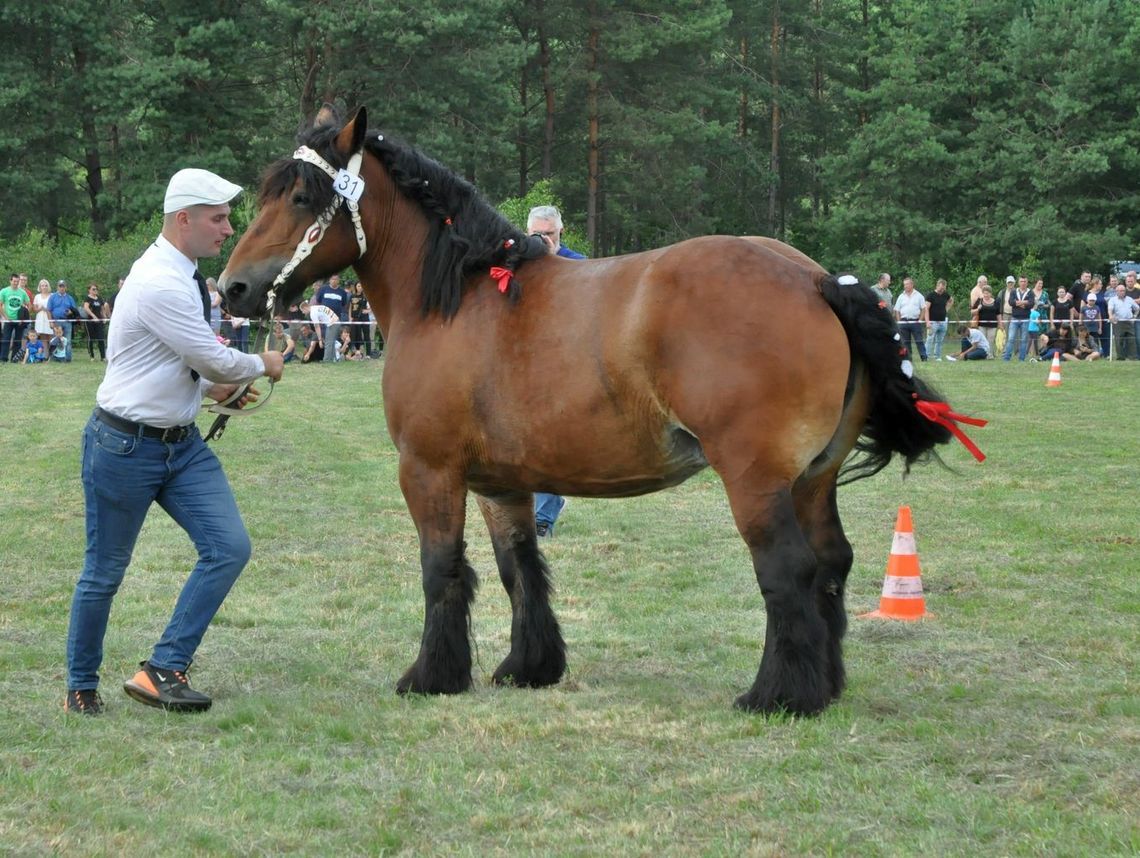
14 313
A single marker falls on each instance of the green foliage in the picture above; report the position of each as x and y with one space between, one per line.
79 259
541 193
969 135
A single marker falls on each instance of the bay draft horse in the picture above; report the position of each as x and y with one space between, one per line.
509 371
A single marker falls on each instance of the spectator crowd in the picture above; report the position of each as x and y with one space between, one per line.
1084 321
333 323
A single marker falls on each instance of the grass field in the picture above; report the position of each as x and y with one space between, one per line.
1009 724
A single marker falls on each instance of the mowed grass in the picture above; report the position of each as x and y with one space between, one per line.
1008 724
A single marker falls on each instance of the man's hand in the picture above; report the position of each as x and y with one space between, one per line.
222 392
274 364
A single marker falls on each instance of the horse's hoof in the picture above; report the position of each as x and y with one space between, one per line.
511 672
768 705
413 683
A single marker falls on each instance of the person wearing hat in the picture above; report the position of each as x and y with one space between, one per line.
63 309
141 446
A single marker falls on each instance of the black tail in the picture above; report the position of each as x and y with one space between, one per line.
894 425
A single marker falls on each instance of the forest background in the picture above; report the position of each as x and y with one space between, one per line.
947 138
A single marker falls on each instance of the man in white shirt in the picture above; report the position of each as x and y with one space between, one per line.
141 446
909 309
1122 312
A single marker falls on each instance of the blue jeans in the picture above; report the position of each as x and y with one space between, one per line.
912 332
546 508
122 476
935 338
1017 334
972 352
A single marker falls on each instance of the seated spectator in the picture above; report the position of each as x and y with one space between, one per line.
309 345
282 341
1056 342
975 344
1087 347
60 345
346 349
34 350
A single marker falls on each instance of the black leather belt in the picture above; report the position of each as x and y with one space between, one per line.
171 435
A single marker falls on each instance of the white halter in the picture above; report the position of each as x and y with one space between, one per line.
316 232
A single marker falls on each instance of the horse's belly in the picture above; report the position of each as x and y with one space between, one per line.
623 473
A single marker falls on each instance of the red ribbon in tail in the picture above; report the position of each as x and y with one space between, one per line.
503 275
940 413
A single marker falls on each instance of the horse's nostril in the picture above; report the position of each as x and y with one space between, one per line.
236 289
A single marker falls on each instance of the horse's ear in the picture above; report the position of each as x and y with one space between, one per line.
351 137
326 116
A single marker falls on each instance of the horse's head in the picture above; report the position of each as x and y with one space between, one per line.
304 230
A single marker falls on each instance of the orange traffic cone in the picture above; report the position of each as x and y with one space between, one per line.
1055 372
902 588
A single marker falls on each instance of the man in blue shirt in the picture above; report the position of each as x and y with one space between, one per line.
60 307
546 223
331 295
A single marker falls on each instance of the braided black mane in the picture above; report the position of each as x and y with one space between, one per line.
466 235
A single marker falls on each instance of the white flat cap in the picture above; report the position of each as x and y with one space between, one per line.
193 187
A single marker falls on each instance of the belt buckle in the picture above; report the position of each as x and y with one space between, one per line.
174 434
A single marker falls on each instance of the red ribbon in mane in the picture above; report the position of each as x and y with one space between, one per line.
503 275
940 413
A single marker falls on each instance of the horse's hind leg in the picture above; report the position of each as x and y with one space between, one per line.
437 502
792 675
538 653
818 514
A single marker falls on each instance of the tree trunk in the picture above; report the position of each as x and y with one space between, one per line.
308 103
92 162
865 61
774 151
593 144
521 131
742 115
547 95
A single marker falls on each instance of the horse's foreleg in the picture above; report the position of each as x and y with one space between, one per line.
818 514
538 653
437 503
792 675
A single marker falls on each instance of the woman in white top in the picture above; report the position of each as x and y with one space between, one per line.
43 317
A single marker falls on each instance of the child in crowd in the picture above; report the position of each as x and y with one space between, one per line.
345 349
1034 331
59 345
1087 347
34 350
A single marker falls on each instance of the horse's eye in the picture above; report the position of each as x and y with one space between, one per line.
301 199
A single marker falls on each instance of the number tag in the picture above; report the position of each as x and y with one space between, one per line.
348 186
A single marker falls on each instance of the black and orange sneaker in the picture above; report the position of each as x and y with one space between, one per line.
166 689
85 701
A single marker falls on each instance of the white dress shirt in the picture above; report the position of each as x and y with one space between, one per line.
909 307
157 336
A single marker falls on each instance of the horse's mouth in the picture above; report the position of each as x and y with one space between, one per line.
244 290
